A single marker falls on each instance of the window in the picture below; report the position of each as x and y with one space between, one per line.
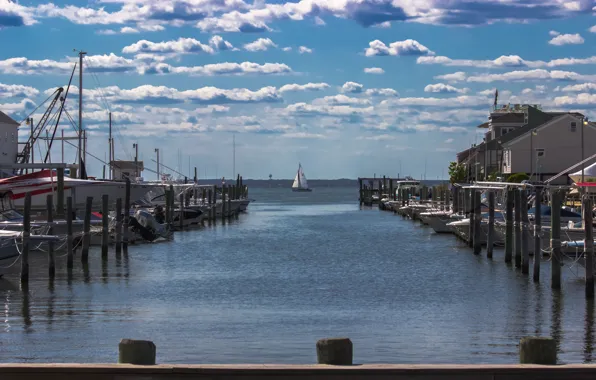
506 130
540 153
573 126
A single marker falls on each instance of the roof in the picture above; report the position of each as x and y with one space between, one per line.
5 119
507 118
483 125
548 123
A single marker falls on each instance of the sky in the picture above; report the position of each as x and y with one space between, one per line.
347 88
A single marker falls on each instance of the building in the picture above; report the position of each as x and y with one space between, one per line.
123 169
9 145
506 123
551 148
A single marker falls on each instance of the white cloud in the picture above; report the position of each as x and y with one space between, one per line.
287 48
449 141
17 91
374 70
444 89
337 100
262 44
537 74
304 50
383 137
453 77
319 21
326 110
459 101
388 92
303 135
303 87
593 29
218 43
567 39
584 87
553 33
406 47
179 46
579 99
223 68
95 63
352 87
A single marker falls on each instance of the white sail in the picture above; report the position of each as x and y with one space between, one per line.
300 180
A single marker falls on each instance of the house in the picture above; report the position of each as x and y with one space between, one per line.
9 144
123 169
550 148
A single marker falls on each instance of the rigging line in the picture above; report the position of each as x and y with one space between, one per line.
96 79
36 108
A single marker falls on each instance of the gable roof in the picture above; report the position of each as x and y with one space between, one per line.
5 119
545 125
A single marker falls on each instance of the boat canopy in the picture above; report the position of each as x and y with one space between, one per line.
546 211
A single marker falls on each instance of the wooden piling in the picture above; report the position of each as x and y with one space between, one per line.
50 219
105 229
69 238
25 240
589 245
137 352
214 204
60 190
537 232
517 228
172 203
555 240
126 213
472 216
335 351
490 239
86 230
477 223
195 190
509 225
118 226
209 194
229 203
181 212
167 208
525 231
538 350
223 204
391 192
456 190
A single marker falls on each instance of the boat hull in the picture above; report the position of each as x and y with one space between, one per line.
301 190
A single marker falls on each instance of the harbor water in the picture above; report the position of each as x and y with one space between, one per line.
297 267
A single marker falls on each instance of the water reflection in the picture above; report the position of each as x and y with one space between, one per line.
538 309
556 331
86 275
26 308
104 271
589 336
51 301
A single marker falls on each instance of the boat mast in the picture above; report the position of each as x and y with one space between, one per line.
110 145
81 54
298 175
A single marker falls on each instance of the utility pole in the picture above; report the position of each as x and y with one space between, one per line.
110 145
81 54
157 151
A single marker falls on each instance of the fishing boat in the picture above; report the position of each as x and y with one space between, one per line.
300 183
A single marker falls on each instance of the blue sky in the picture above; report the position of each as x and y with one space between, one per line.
346 87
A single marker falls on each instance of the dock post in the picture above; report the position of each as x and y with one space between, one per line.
126 213
136 352
167 208
118 226
537 232
490 240
589 246
51 257
60 190
69 248
509 225
223 204
517 227
105 228
360 191
214 204
181 213
525 236
555 240
86 230
455 199
472 216
210 218
538 350
391 192
477 223
196 191
335 351
25 239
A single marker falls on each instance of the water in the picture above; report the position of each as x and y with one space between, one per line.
296 268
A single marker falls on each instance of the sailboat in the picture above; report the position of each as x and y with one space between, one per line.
300 183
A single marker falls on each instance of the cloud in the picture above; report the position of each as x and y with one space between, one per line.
17 91
304 50
374 70
223 68
584 87
383 137
13 14
304 135
327 110
579 99
449 141
388 92
593 29
287 48
218 43
459 101
337 100
262 44
504 61
179 46
401 48
304 87
15 109
444 89
96 63
553 33
453 77
567 39
537 74
352 87
123 30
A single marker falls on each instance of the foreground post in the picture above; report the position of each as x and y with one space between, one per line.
537 232
60 189
104 226
490 241
126 214
509 226
555 240
118 226
51 257
229 202
223 204
26 234
477 223
139 352
524 232
86 230
472 211
69 248
181 211
589 246
335 351
537 350
518 238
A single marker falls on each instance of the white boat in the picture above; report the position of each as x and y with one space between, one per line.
45 182
300 183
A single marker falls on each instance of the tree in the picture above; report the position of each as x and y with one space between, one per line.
518 177
457 172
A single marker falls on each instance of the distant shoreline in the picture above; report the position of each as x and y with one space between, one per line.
313 183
